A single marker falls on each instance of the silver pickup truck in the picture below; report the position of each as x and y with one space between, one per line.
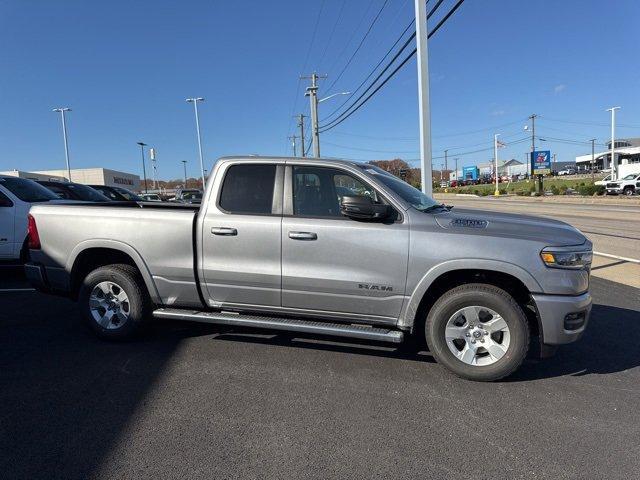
323 247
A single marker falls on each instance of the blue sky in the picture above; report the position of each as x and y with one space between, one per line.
125 69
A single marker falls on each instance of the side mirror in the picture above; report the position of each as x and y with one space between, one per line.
361 207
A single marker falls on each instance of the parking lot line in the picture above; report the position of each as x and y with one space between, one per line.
617 257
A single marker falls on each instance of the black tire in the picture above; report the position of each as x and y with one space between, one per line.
628 191
484 295
139 304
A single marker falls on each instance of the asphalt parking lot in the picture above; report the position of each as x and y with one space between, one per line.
195 401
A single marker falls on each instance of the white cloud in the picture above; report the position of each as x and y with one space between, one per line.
559 88
497 113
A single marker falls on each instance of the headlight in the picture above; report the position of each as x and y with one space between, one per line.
576 260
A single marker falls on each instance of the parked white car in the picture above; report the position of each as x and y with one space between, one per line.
625 186
567 171
16 197
603 182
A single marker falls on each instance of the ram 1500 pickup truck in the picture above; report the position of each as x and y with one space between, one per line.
325 247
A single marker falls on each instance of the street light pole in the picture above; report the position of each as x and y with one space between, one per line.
495 156
614 164
593 154
64 136
144 168
184 166
195 101
423 97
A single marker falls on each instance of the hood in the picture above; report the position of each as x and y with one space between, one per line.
550 232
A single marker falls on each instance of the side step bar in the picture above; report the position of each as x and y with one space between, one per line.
275 323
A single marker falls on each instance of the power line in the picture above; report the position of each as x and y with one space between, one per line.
345 115
407 42
372 71
304 67
333 31
373 22
597 124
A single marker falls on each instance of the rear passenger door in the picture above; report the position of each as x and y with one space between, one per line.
241 236
332 264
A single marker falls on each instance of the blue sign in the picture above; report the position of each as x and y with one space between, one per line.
541 162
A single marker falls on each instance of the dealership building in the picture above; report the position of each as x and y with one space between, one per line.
627 152
87 176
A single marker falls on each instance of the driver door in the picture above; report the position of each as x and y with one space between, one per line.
332 264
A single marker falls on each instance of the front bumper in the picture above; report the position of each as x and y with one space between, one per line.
563 318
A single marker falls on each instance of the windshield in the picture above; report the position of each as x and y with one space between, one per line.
86 193
630 177
27 190
410 194
128 195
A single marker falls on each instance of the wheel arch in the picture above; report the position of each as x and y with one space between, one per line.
511 278
92 254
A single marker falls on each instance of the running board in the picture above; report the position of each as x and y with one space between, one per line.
275 323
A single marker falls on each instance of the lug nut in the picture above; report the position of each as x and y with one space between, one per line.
473 341
468 334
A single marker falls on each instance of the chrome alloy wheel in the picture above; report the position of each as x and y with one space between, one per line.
109 305
477 336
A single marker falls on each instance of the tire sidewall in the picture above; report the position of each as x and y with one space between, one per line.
485 296
137 306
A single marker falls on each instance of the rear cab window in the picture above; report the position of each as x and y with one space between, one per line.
248 189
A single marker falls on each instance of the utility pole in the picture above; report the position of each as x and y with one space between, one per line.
301 118
293 139
184 166
423 97
533 117
446 166
495 156
144 169
195 101
64 136
312 93
593 159
456 160
554 163
152 155
614 163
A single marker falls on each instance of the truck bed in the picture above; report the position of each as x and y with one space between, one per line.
159 236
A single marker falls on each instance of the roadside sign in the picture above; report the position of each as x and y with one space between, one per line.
152 153
541 162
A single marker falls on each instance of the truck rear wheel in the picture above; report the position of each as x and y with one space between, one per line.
114 301
478 331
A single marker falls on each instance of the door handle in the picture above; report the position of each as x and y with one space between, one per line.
225 231
303 236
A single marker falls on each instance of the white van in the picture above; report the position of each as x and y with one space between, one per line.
16 197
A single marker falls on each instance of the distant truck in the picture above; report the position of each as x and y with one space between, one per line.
470 175
326 247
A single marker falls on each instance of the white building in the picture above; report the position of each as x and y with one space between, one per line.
87 176
627 152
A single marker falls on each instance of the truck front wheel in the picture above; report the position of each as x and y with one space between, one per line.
478 331
114 301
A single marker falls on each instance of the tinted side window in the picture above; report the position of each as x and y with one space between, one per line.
317 191
5 201
248 189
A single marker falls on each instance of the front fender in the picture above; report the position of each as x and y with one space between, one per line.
121 247
410 309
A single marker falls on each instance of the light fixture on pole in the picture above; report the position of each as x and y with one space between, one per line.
62 110
195 101
613 163
144 168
